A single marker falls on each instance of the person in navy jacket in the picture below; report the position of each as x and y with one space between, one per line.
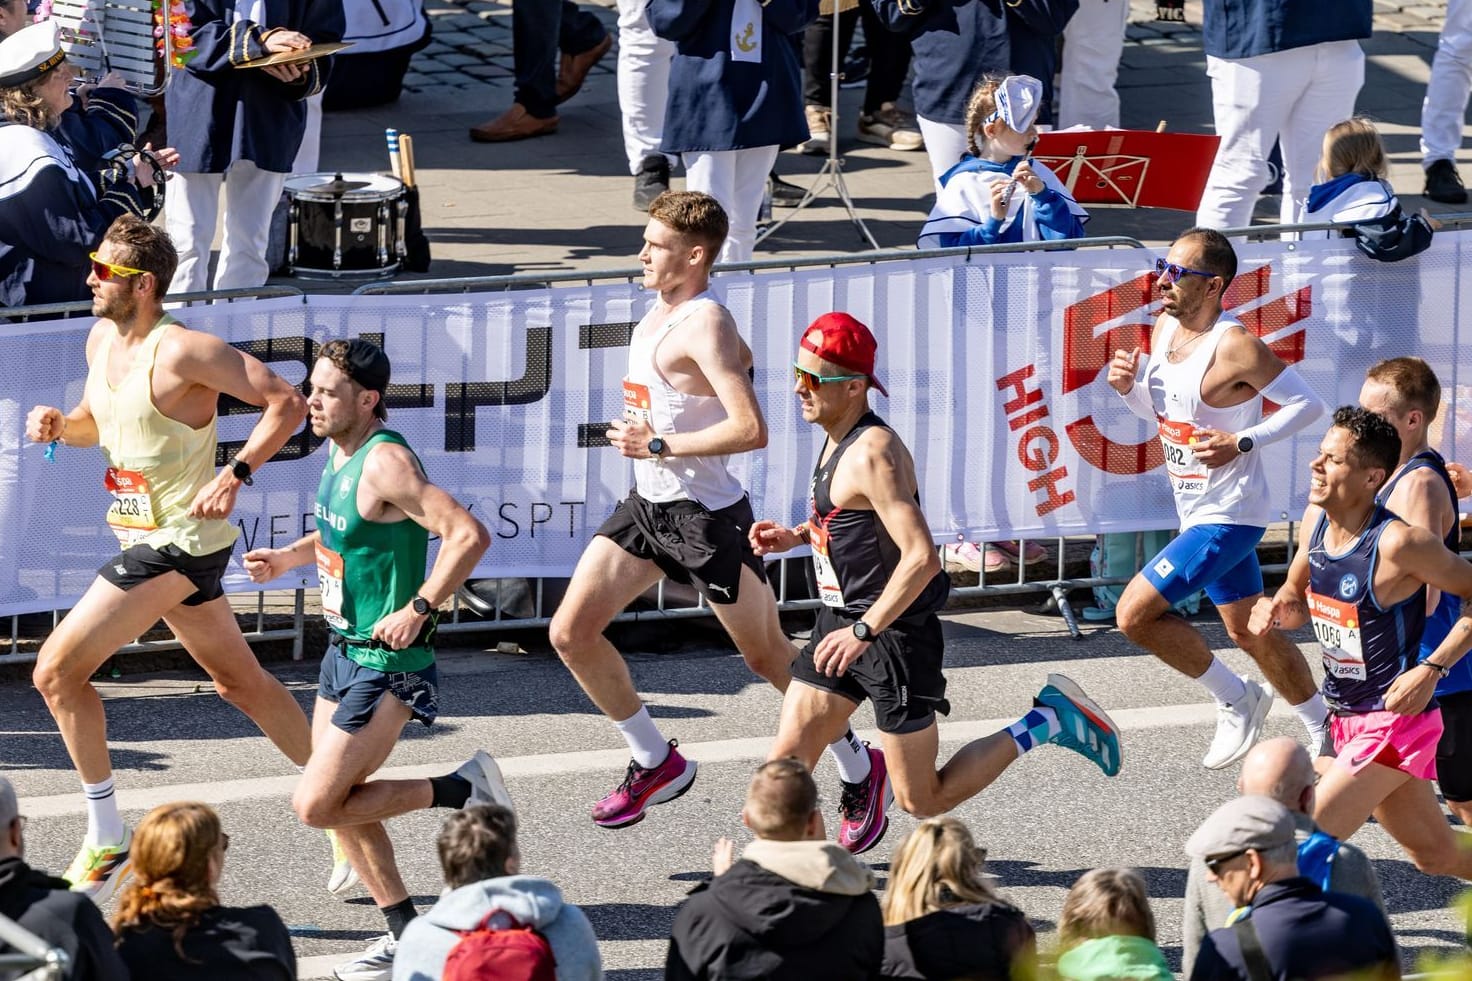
735 98
240 128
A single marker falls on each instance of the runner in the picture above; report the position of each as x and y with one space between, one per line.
881 583
1203 385
1361 576
688 405
370 551
149 402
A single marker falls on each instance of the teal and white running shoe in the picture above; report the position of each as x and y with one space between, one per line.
1086 728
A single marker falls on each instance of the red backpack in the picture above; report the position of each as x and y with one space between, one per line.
501 948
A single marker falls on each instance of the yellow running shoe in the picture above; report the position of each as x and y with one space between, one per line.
99 871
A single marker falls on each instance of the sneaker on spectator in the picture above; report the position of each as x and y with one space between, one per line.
862 807
1029 553
891 127
1444 184
641 789
344 877
652 180
819 119
961 557
1238 726
785 194
487 786
1085 727
374 964
98 871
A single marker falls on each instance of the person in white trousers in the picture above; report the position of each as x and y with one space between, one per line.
1092 44
1446 105
737 179
643 87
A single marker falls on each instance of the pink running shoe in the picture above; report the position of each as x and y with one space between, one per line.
862 819
643 788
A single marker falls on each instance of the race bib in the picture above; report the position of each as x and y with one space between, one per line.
828 588
637 404
1186 472
1337 626
329 578
131 514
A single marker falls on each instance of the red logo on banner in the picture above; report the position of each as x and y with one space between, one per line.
1087 353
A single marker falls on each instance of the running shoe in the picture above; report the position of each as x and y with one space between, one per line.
862 819
1085 727
486 783
641 789
99 871
374 964
1238 726
344 877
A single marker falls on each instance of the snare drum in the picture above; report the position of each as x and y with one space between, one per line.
337 233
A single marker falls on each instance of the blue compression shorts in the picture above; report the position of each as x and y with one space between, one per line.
1221 559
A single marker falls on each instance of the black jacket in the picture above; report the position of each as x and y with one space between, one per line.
250 944
979 941
46 906
752 923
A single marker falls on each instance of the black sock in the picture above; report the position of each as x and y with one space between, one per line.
398 916
451 790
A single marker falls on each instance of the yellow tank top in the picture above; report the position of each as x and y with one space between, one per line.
155 465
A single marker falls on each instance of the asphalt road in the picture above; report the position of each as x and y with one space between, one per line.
1051 817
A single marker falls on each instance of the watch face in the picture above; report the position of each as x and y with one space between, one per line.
421 605
656 446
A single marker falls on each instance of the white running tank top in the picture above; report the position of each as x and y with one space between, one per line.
649 396
1234 494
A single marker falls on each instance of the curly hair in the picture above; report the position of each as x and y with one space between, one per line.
1373 440
22 104
171 886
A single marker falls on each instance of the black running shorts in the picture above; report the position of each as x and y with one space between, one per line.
138 564
356 690
900 672
690 543
1454 751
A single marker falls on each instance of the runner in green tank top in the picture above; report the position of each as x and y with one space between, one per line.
375 512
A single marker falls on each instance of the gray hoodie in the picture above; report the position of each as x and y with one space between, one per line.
535 902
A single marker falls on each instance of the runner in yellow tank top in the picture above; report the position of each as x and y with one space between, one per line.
149 403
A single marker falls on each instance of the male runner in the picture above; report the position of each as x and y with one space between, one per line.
1203 385
688 405
149 403
877 635
1361 577
375 512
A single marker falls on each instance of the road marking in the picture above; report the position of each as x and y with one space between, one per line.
218 792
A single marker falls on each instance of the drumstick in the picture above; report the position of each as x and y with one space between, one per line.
392 135
407 147
1160 126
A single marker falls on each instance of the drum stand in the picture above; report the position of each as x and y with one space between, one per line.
831 175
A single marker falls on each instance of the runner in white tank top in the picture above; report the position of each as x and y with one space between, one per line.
1202 386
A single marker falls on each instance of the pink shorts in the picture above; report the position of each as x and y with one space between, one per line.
1401 742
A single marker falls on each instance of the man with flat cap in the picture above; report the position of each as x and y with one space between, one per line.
1285 926
375 512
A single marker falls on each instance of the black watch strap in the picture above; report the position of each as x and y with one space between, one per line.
242 472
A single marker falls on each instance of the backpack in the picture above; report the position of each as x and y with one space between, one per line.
501 947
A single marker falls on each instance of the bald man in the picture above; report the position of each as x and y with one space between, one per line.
1281 769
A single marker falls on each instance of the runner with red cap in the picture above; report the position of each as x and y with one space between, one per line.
881 583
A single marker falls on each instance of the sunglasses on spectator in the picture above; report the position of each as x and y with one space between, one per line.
811 379
1215 864
108 270
1173 272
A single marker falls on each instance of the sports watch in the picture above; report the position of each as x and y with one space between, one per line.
657 447
1245 444
421 605
863 631
241 470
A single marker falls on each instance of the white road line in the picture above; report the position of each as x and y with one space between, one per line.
578 761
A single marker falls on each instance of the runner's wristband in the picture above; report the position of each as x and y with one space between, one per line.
1440 669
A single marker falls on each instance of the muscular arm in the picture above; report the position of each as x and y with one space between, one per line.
266 564
75 428
1421 499
1250 364
1420 556
1287 609
719 352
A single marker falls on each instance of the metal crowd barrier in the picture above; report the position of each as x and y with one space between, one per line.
37 960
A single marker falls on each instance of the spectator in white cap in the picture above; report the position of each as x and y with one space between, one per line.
1251 853
51 215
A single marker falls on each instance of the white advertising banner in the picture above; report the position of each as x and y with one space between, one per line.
995 368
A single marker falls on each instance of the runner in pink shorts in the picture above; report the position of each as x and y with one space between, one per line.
1360 576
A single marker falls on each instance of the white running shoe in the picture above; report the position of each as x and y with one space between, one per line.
374 964
486 783
344 877
1238 726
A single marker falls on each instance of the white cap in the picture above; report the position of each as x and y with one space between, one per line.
1018 99
30 53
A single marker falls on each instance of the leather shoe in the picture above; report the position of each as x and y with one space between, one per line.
513 124
572 70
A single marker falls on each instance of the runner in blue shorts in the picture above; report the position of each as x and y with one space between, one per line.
1203 386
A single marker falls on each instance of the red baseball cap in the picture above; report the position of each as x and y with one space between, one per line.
840 339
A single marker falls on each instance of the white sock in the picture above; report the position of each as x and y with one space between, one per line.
851 758
1314 713
646 745
104 823
1223 683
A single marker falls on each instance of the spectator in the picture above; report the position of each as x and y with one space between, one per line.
793 908
1249 850
1107 931
539 30
1279 71
169 920
1093 42
735 98
943 920
1352 187
481 864
881 122
1281 769
1033 30
643 87
239 129
45 906
1446 105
